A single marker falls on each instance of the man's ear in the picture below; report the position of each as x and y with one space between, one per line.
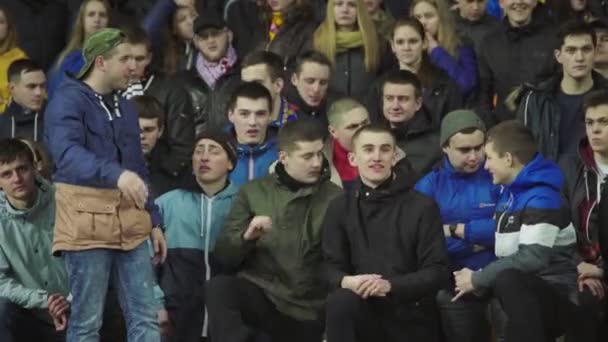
510 159
278 85
294 79
558 55
351 159
282 156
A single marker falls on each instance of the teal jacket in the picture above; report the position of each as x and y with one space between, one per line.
28 272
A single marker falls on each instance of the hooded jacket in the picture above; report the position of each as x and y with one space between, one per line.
286 261
584 189
254 161
420 142
469 199
18 122
28 272
93 142
533 230
393 231
71 65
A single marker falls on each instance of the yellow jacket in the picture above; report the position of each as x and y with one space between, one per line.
6 59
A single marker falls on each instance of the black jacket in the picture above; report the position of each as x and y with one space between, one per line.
511 57
302 108
538 109
42 27
179 119
164 177
420 142
210 106
475 31
393 231
17 122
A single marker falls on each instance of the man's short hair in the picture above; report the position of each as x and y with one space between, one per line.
250 90
513 137
301 130
148 107
374 128
136 35
12 149
340 107
311 57
575 28
272 61
595 99
403 77
20 66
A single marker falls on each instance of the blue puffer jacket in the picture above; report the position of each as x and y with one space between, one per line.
469 199
254 161
72 64
92 143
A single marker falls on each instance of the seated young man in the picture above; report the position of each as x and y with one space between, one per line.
534 241
467 201
252 132
585 188
272 236
30 277
194 215
309 84
385 257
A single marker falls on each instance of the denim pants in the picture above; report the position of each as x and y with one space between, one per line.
90 273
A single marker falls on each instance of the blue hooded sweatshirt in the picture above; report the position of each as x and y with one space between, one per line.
253 161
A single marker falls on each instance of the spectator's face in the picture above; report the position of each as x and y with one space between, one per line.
210 162
29 90
428 16
3 26
95 17
279 5
259 73
472 10
601 47
251 118
17 179
120 67
596 123
374 157
578 5
408 46
304 163
465 151
184 23
212 43
372 6
345 13
400 103
576 56
151 131
348 124
312 82
519 12
142 57
498 166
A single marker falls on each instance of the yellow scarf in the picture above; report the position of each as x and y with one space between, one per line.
275 25
346 40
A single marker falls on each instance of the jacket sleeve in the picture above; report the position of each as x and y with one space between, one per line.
462 70
336 249
486 91
179 129
16 292
480 232
537 236
231 249
65 138
432 269
156 19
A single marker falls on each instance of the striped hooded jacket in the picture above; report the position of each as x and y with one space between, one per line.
533 229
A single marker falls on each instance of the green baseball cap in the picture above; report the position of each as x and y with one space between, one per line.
97 44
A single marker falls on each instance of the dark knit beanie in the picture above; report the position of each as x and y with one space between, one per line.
221 139
457 121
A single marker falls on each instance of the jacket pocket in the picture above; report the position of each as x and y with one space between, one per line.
94 217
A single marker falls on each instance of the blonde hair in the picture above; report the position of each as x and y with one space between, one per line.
77 35
446 30
340 107
324 38
10 41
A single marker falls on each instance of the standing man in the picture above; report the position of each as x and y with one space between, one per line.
104 214
272 236
23 115
385 258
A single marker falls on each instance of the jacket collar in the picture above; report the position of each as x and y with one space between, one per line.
420 124
241 149
538 172
44 195
20 113
449 168
396 184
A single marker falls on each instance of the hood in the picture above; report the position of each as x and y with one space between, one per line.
538 172
20 114
586 154
271 141
46 194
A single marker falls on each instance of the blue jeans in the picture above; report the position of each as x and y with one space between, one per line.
131 274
